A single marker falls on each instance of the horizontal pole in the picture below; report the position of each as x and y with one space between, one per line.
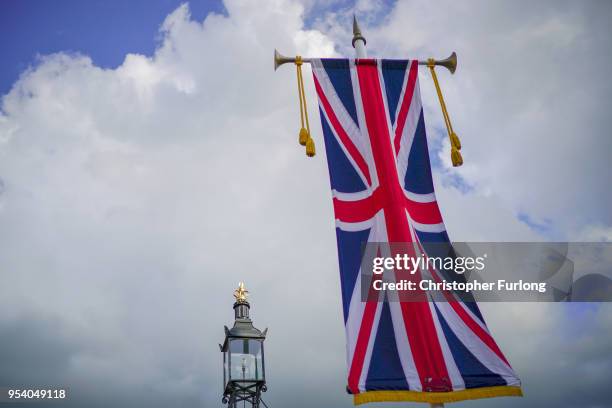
450 63
309 61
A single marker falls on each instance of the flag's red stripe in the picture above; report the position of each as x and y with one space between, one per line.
419 325
359 210
363 338
405 104
345 139
479 331
468 320
365 209
361 347
424 213
424 343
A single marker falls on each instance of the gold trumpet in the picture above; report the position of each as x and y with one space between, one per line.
449 63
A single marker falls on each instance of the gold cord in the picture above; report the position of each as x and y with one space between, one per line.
304 137
454 139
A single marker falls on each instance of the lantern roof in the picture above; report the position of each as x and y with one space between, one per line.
243 325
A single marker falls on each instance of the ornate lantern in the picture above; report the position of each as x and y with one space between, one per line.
243 356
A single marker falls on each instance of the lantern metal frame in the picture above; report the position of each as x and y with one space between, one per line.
246 390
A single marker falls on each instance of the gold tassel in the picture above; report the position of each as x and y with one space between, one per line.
455 143
304 138
456 157
310 147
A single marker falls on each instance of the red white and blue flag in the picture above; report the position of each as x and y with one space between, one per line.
380 173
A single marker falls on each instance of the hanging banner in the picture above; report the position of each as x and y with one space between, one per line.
420 350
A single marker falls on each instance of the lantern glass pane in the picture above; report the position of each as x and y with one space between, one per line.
225 368
246 360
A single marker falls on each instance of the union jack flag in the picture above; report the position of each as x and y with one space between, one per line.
382 188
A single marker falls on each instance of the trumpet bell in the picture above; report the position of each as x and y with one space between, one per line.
280 59
277 57
450 63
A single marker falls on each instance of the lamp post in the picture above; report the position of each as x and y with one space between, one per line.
243 357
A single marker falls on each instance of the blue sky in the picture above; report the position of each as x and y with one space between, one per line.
106 30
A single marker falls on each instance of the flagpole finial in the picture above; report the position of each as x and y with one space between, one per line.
357 32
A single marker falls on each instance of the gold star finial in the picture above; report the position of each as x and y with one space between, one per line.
241 293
